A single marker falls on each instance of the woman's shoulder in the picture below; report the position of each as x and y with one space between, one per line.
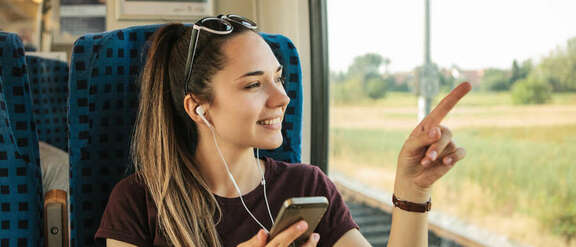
278 167
128 216
130 193
130 185
300 176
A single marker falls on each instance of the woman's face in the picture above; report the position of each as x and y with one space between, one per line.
249 98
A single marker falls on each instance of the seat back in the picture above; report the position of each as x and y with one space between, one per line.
103 104
287 55
49 87
20 175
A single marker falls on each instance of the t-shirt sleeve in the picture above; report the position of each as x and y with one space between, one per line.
125 216
337 220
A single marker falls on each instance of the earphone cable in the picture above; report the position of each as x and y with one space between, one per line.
236 185
264 185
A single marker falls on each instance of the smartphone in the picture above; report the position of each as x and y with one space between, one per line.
310 209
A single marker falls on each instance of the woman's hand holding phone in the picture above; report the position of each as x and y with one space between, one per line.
284 239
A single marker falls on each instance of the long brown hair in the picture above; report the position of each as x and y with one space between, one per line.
165 137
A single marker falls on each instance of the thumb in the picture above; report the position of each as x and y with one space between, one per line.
258 240
418 141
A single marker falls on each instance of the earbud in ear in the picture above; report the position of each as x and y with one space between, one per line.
200 112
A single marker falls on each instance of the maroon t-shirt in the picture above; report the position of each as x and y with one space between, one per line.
130 215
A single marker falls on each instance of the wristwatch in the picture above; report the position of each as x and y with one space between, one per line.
411 206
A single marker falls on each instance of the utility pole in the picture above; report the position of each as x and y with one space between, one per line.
428 78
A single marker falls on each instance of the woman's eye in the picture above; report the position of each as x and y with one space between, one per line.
280 79
253 85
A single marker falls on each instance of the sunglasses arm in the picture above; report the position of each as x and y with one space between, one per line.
191 54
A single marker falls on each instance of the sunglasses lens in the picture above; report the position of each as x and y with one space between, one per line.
241 20
216 24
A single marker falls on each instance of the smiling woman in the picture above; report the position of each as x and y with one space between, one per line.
235 102
197 182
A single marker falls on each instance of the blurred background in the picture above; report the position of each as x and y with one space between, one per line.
518 124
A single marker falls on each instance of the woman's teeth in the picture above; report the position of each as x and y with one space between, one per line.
271 121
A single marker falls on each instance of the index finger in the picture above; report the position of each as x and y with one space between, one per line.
446 105
290 234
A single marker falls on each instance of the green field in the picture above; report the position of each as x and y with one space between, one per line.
519 176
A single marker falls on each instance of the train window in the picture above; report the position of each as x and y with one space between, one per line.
518 124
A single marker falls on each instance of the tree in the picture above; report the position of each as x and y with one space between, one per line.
386 64
398 86
525 69
515 72
366 64
559 68
365 70
531 91
349 91
337 77
496 80
375 86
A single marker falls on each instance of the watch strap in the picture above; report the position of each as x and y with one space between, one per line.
411 206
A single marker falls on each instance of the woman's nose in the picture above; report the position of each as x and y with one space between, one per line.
278 97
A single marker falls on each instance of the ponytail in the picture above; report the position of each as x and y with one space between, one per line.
163 145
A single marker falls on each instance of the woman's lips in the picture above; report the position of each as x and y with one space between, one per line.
275 123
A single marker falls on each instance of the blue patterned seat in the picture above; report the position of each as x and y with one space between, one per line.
49 87
103 103
20 177
291 149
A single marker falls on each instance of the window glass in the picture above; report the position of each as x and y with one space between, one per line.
518 124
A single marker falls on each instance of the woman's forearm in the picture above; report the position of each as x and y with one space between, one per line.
409 228
420 165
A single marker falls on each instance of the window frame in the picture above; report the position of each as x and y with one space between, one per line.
320 86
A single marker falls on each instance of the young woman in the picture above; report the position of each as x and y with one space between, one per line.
209 96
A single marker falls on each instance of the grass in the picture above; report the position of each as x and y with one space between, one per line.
503 160
524 170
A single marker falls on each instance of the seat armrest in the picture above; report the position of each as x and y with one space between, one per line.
56 219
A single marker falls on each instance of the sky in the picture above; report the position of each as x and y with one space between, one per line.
471 34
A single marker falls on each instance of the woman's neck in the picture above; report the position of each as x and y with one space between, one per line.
241 162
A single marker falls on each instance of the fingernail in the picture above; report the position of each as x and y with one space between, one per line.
260 235
448 161
301 225
426 162
432 132
316 237
433 155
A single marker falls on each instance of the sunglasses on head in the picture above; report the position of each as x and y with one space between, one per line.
217 25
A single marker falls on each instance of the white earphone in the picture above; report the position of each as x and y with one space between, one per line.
200 111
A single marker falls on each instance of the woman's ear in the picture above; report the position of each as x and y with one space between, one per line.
190 104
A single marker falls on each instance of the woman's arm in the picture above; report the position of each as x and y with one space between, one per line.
352 238
426 156
115 243
409 228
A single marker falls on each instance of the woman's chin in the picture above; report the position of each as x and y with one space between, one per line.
271 144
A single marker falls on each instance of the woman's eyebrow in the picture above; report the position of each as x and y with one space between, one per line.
259 72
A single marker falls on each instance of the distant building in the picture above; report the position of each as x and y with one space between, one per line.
472 76
403 77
